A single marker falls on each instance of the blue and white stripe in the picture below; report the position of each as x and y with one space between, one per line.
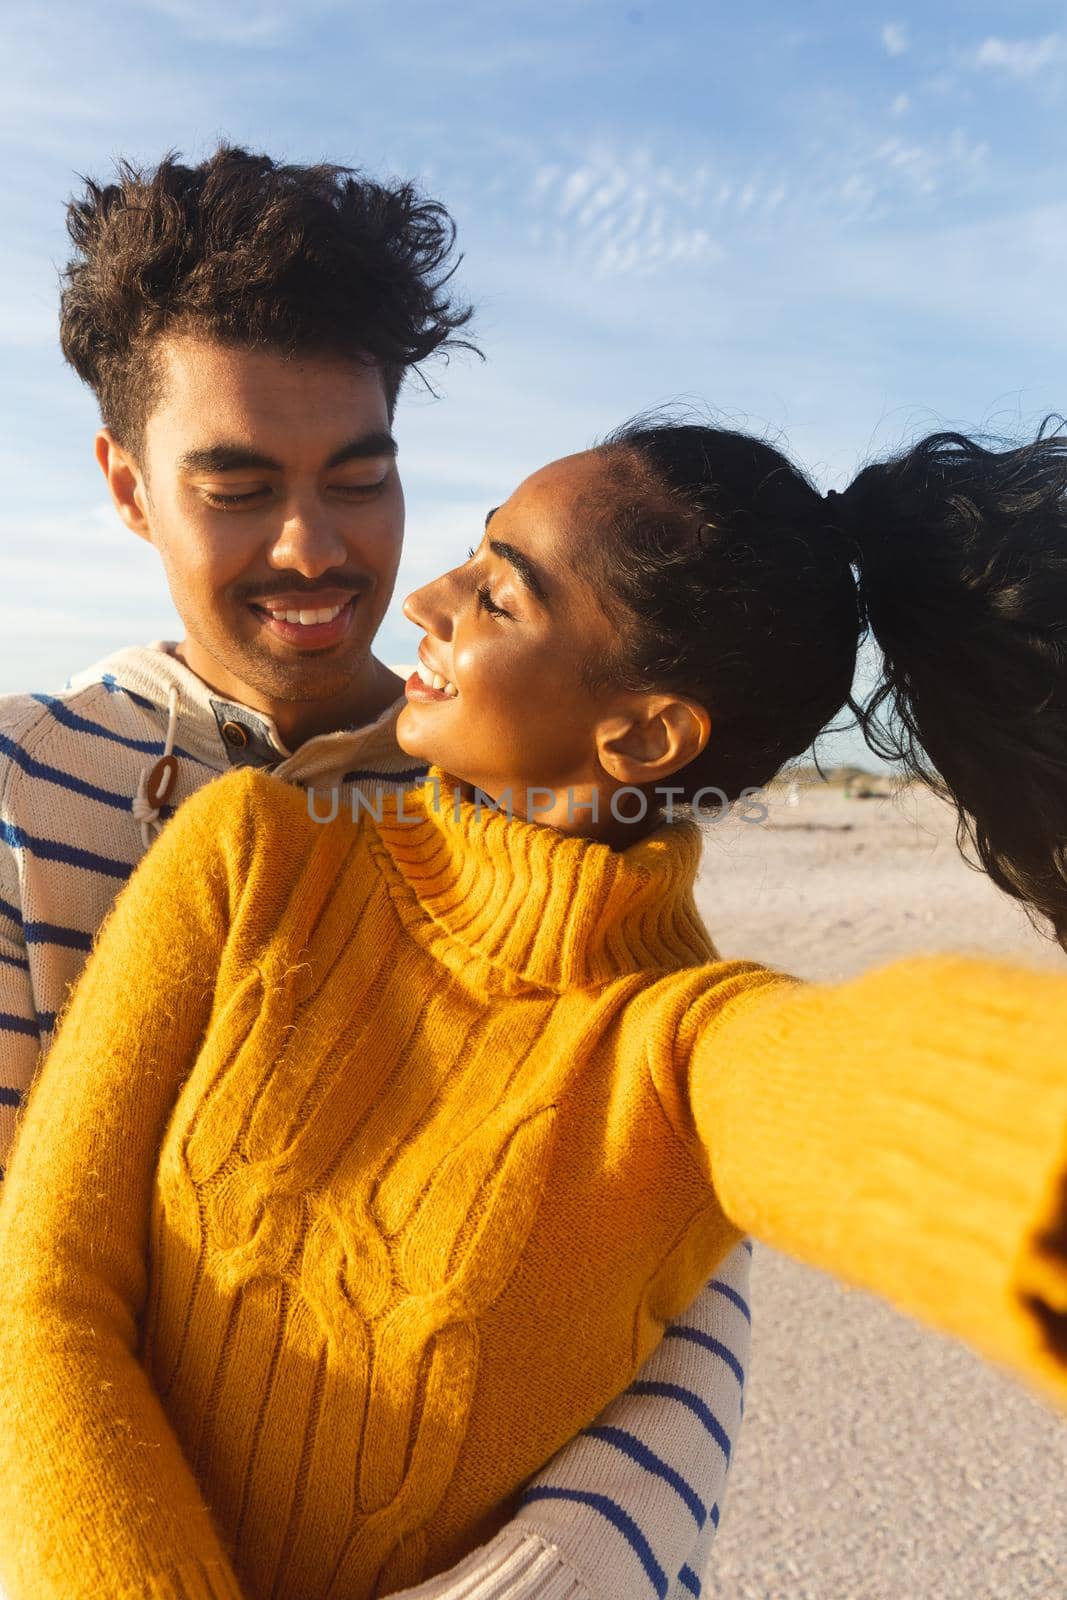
70 765
666 1443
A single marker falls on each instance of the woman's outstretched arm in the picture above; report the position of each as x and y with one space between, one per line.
906 1131
99 1497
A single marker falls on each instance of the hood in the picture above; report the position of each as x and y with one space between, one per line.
196 714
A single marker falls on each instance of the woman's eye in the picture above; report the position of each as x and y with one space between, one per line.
487 603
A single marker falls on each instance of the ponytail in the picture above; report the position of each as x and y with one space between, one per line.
961 552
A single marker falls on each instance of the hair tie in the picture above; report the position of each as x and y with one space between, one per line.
836 513
842 527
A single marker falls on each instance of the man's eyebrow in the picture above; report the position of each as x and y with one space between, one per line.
525 568
366 448
225 457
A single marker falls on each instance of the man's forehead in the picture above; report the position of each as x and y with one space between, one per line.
252 374
219 407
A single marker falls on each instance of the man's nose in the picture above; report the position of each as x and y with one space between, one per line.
309 541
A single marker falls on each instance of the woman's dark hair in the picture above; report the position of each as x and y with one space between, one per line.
309 259
743 588
733 591
963 553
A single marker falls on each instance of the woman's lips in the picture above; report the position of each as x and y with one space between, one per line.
415 689
309 635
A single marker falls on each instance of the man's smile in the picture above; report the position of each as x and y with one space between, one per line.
308 621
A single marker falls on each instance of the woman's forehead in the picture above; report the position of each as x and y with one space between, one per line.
551 496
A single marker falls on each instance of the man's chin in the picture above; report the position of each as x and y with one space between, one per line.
307 679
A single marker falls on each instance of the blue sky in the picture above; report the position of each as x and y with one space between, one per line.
836 228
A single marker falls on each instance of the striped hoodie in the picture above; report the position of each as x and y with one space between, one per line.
629 1508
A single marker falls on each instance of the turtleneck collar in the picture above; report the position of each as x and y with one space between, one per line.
550 908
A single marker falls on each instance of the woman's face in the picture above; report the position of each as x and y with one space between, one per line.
511 631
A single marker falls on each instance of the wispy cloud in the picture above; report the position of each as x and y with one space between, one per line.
895 39
1023 58
630 214
623 214
924 167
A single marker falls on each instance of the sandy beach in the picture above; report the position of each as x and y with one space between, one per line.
877 1461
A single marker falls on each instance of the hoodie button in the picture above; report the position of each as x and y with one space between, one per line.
160 781
234 734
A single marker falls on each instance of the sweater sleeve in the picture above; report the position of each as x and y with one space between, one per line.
906 1131
99 1497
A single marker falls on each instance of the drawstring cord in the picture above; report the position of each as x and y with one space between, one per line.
157 782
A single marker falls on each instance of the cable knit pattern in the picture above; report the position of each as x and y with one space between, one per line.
402 1150
69 767
385 1243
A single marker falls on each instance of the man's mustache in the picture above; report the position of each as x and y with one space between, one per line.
330 582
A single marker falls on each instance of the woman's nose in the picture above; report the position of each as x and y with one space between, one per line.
428 609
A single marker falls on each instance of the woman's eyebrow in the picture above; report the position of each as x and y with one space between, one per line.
528 573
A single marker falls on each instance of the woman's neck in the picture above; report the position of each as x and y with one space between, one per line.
537 904
600 813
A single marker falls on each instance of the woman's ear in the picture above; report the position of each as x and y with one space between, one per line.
126 483
661 734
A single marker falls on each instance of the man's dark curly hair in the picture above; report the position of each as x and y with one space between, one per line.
309 259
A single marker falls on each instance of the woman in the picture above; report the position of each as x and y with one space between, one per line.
433 1119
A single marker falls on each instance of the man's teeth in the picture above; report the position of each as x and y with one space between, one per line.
308 618
434 680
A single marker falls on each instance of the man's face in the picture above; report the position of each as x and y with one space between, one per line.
269 487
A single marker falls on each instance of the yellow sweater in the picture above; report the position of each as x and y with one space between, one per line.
372 1157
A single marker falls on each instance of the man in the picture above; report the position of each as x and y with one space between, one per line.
246 328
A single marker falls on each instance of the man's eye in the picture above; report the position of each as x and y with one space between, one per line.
223 501
362 488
